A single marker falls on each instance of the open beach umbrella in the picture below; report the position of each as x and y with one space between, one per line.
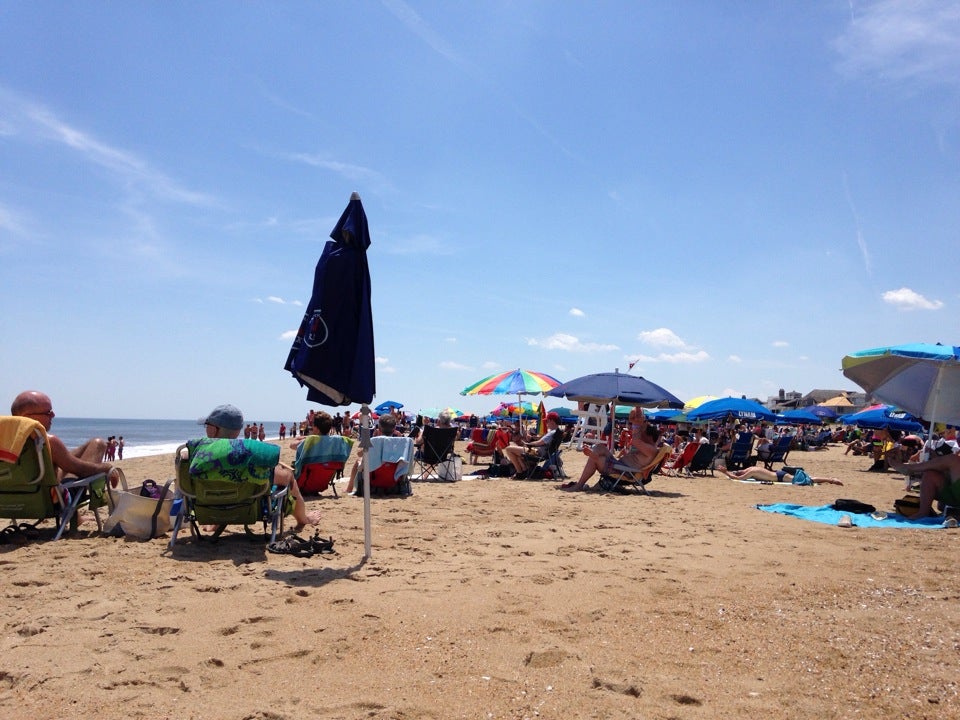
694 403
607 387
514 382
822 411
882 417
387 406
921 378
738 408
332 353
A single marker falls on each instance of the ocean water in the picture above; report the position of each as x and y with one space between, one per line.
140 437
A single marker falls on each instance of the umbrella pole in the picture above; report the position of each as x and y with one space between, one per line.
365 444
933 420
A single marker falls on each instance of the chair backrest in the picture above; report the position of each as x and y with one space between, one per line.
28 484
226 479
780 448
437 444
703 457
314 478
741 449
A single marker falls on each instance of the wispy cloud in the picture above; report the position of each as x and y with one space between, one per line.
662 337
677 358
275 300
569 343
288 335
383 365
907 299
33 121
780 343
416 24
916 41
735 359
577 312
861 242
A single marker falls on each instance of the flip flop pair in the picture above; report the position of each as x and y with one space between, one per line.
299 547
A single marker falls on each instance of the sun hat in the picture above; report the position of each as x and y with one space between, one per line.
227 417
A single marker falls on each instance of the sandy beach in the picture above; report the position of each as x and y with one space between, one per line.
500 599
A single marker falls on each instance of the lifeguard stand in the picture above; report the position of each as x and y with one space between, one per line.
592 419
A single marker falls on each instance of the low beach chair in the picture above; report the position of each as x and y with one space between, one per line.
622 477
390 465
673 467
778 452
703 460
224 482
740 453
29 489
319 460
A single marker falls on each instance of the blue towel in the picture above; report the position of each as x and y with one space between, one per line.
827 515
391 450
321 449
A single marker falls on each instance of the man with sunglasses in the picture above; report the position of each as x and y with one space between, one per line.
84 461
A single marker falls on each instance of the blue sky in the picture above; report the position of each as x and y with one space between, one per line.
734 194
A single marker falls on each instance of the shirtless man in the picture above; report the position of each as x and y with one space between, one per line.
939 480
643 448
84 461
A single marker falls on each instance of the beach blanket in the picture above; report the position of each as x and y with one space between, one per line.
14 433
237 460
397 450
827 515
321 449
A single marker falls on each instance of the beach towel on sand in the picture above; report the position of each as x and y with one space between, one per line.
238 460
827 515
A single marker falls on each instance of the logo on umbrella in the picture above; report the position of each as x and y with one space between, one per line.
317 332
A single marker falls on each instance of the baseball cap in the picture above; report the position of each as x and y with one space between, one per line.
227 417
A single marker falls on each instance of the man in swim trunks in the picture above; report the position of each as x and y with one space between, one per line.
764 475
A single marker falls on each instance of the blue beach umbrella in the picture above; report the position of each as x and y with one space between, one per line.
333 351
822 411
617 387
387 406
882 417
738 408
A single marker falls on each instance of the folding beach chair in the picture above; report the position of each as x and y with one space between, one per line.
778 452
681 463
29 489
622 477
740 453
390 465
437 447
225 482
319 460
545 464
703 460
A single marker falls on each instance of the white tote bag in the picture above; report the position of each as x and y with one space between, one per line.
451 470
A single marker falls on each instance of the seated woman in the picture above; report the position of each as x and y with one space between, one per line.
643 448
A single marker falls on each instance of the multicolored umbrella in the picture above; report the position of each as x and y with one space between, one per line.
513 382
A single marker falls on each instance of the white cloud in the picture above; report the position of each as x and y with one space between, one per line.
577 312
490 365
569 343
288 335
450 340
903 41
677 358
450 365
780 343
417 245
275 299
907 299
735 359
662 337
381 360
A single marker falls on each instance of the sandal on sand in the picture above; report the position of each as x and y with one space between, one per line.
566 486
321 545
293 545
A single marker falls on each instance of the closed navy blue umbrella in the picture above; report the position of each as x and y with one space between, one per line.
333 351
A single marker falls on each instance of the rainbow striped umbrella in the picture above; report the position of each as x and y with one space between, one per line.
513 382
